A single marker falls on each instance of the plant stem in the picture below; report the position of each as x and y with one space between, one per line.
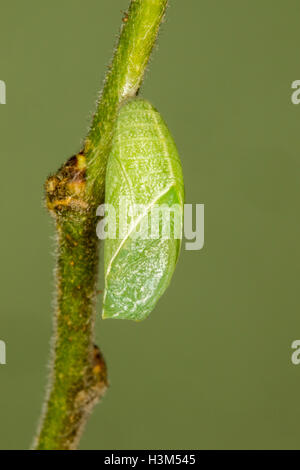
138 35
78 372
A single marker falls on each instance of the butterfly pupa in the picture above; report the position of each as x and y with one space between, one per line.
144 172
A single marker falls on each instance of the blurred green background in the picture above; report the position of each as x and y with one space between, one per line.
211 367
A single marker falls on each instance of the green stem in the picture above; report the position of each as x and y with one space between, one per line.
138 35
78 374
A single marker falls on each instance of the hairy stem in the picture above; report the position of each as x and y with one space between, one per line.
138 35
78 373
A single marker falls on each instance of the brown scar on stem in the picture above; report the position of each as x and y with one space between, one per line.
99 366
67 187
125 17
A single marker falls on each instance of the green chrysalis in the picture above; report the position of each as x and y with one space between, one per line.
143 169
